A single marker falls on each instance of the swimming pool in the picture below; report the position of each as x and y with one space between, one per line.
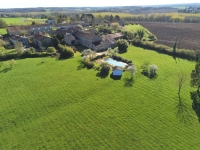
115 63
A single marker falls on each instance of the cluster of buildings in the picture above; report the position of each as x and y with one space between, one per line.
72 32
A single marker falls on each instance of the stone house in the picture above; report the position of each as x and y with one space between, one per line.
69 39
32 29
92 40
65 25
23 39
41 40
50 21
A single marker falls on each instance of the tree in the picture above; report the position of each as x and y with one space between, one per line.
152 70
111 18
33 23
122 44
114 26
23 32
105 68
19 48
132 69
140 33
51 50
195 76
86 52
112 52
12 62
2 24
145 69
181 107
117 17
66 51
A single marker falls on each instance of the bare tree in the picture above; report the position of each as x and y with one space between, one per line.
12 62
132 69
181 81
181 108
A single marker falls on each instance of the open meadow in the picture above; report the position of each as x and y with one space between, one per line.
59 105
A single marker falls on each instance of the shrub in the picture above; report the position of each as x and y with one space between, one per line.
90 65
51 50
145 70
66 52
182 53
105 68
122 44
152 70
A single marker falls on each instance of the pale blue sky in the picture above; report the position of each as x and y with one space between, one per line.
88 3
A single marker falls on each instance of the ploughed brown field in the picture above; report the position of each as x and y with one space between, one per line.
188 34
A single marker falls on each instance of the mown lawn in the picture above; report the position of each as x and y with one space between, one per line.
52 105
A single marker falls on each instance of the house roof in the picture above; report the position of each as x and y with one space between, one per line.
86 35
39 37
114 35
105 42
69 37
65 24
17 37
20 28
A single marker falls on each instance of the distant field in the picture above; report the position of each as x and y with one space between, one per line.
112 13
55 105
22 21
188 34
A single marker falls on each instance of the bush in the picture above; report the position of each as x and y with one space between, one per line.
90 65
181 53
66 52
122 44
105 68
51 50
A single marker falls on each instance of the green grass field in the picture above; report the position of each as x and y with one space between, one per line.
134 28
3 31
22 21
52 105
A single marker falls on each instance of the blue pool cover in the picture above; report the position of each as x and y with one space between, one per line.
117 72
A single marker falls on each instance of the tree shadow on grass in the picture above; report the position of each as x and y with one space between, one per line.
182 113
81 65
128 82
122 51
102 75
153 77
6 70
